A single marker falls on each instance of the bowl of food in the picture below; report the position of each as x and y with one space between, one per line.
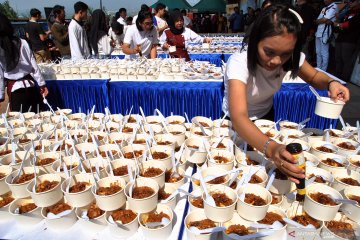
194 150
296 213
166 197
197 220
320 148
237 227
321 175
162 153
340 228
4 172
333 163
77 190
288 125
222 159
109 193
91 217
59 216
328 108
345 178
25 211
119 168
154 170
354 162
122 222
274 214
45 190
346 146
352 211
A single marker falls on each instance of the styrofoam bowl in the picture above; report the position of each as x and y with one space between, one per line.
110 202
344 173
79 199
328 108
352 211
198 215
32 217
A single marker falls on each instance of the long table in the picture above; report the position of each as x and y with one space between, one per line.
294 101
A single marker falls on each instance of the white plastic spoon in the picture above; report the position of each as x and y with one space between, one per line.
315 92
153 225
206 231
209 199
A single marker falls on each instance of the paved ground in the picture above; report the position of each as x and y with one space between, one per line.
351 111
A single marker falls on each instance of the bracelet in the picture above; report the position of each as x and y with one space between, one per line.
266 145
333 80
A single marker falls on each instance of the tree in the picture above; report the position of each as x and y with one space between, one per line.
7 10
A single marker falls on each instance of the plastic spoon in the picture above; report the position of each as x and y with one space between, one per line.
302 123
210 178
187 193
298 225
342 123
209 199
315 92
21 166
251 236
275 225
186 117
206 231
201 126
153 225
271 180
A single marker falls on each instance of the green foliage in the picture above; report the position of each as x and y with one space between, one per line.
6 9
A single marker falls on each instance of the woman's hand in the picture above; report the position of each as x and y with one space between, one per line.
44 91
207 40
285 162
166 46
338 92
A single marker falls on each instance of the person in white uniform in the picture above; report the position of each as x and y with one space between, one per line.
77 35
253 76
123 15
19 71
141 38
116 33
100 42
159 21
323 33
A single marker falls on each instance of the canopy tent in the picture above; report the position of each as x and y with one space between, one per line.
172 4
211 6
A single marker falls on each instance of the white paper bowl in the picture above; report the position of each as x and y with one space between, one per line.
48 198
288 125
158 233
317 210
110 202
220 214
352 211
326 107
264 123
164 149
32 217
79 199
122 230
198 215
117 163
48 167
319 153
145 204
169 188
175 120
253 155
278 233
69 161
113 148
322 172
4 188
235 220
94 225
327 234
225 123
4 211
343 151
226 144
329 168
133 148
19 190
352 160
311 160
160 179
161 139
197 192
210 171
193 155
222 153
59 224
290 132
101 162
257 212
344 173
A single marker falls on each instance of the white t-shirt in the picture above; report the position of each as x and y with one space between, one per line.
187 21
119 38
146 39
327 12
189 35
260 88
122 21
160 22
78 41
104 47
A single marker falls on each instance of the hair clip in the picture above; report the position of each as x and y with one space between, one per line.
297 15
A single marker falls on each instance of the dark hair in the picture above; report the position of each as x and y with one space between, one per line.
274 21
184 11
159 7
122 10
266 3
34 12
57 9
9 44
98 28
116 17
175 16
144 7
116 26
80 6
141 18
129 18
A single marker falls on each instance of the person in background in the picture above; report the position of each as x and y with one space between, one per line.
235 21
206 23
323 33
37 37
116 34
122 16
141 38
222 24
249 17
179 36
187 20
77 35
254 75
143 8
347 41
100 42
158 19
60 32
214 22
19 71
129 21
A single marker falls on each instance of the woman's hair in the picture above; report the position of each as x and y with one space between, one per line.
98 28
9 44
142 15
274 21
116 26
174 17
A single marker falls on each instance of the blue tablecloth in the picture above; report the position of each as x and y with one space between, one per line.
78 93
194 98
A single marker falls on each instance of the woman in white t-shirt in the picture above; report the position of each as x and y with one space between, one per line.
141 38
116 33
253 77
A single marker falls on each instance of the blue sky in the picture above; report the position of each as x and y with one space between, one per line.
133 6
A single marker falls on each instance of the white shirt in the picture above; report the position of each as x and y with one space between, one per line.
327 12
122 21
78 41
160 22
134 19
104 47
146 39
189 35
27 64
187 21
260 88
117 38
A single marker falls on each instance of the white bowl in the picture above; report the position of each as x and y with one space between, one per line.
353 161
163 149
160 179
326 233
296 210
221 153
320 172
197 156
326 107
122 230
6 170
344 151
110 202
79 199
59 224
329 168
198 215
32 217
278 233
235 220
352 211
94 225
344 173
288 125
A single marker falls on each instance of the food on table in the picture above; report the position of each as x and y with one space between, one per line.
127 130
355 198
305 220
140 141
272 217
221 199
2 175
121 171
342 229
164 143
172 178
238 229
289 126
24 178
356 163
93 169
322 198
27 208
221 159
193 147
350 181
24 140
6 199
254 178
2 153
325 149
112 189
124 216
159 155
72 166
154 217
163 195
347 146
318 178
176 133
218 180
333 134
202 224
79 187
45 161
199 133
58 208
113 152
151 172
142 192
197 202
46 186
204 124
220 145
175 122
332 163
275 198
293 136
94 211
130 155
254 200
